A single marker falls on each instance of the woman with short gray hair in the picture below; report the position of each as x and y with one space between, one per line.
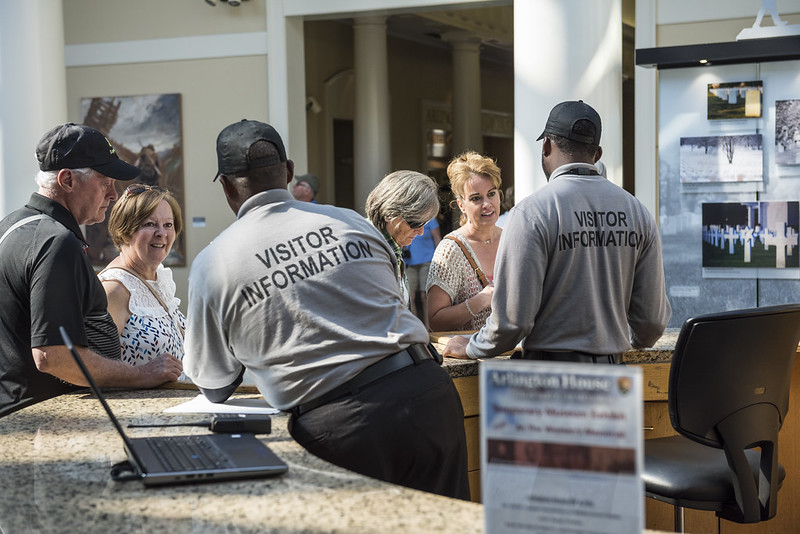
399 206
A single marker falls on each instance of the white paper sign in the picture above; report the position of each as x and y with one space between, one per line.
561 447
200 404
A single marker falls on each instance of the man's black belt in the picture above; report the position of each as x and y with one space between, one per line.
570 356
412 355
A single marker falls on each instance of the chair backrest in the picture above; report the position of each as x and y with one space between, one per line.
725 362
729 389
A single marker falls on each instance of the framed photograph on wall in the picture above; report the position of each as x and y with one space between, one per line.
787 132
735 100
146 132
720 159
751 239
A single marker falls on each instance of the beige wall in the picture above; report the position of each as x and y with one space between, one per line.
105 21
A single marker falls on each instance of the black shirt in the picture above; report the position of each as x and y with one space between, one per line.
46 281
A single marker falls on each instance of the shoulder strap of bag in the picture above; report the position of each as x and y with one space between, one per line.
471 260
22 222
153 291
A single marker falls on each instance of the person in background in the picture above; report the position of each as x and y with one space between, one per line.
601 168
460 280
48 281
579 271
399 206
418 260
143 225
313 310
305 188
506 204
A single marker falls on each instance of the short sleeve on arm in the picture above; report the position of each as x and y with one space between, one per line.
60 292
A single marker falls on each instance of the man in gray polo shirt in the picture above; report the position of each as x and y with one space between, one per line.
305 297
578 275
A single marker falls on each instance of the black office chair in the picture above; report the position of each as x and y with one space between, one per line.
728 396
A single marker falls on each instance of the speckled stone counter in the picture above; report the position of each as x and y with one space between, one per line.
54 477
661 352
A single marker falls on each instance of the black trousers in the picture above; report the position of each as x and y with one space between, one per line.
570 356
406 428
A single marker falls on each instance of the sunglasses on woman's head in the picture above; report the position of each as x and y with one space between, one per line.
136 189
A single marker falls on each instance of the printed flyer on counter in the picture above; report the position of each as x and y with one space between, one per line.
561 448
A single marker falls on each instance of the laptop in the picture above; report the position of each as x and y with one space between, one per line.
163 460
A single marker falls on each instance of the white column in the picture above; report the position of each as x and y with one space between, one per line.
646 104
33 91
372 142
286 82
467 128
565 50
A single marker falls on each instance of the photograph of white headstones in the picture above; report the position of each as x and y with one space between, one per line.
734 100
750 235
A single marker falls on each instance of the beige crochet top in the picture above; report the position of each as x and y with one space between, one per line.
450 270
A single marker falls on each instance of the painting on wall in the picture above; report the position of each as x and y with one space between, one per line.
787 132
751 235
146 132
734 100
725 158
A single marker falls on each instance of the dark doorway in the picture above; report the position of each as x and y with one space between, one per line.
343 172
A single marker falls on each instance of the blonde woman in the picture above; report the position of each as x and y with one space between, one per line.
460 279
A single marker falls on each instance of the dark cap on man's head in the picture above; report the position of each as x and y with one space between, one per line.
562 121
75 146
234 142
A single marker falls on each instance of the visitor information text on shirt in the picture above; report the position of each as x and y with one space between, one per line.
561 448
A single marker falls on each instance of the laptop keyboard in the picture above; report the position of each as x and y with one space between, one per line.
188 453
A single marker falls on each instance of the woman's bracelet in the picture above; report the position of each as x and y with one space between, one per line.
466 303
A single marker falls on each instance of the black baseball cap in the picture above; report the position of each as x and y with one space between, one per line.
563 117
234 142
76 146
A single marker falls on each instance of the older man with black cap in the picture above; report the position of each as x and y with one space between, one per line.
305 297
578 273
48 281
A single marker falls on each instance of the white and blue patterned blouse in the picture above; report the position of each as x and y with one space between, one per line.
150 330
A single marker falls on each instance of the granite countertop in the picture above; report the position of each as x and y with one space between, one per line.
661 352
55 458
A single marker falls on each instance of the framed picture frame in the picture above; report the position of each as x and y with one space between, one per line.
735 100
146 132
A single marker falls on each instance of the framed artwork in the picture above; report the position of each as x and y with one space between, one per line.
726 158
751 236
787 132
735 100
146 132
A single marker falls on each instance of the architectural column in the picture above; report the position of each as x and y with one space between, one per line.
33 91
286 81
646 125
565 50
371 124
467 128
